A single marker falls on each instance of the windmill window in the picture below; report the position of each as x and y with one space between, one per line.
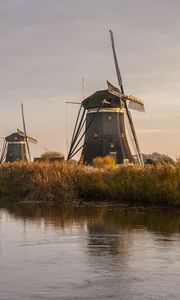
109 117
112 145
95 135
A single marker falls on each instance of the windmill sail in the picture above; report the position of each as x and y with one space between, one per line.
116 63
30 138
136 103
3 152
131 137
124 101
25 134
114 90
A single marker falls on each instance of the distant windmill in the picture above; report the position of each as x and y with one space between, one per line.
15 145
104 114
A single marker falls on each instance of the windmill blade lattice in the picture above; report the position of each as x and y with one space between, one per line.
131 137
124 100
136 104
30 138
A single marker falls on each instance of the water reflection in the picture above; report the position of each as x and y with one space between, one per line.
89 252
110 229
100 219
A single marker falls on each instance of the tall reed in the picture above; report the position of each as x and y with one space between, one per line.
62 182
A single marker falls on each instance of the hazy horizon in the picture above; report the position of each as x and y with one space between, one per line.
48 46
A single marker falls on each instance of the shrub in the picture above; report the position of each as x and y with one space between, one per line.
52 155
103 162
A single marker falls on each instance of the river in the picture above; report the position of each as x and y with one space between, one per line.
89 252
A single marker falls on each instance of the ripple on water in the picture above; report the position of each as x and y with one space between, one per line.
89 253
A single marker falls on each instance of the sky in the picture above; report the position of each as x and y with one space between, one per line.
48 46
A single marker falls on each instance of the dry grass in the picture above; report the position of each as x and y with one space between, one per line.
62 182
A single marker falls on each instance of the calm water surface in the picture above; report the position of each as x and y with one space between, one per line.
89 253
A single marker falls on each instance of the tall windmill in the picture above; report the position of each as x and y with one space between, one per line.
16 145
108 123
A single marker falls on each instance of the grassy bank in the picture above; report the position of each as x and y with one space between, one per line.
63 182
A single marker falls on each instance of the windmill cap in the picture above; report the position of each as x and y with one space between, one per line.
101 98
14 137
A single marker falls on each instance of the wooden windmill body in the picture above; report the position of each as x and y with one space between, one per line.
16 148
107 134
